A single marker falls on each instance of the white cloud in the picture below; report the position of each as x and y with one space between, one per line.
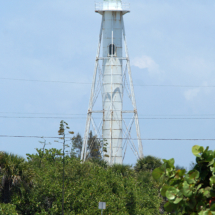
202 91
146 62
191 94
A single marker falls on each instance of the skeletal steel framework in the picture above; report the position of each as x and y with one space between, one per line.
110 80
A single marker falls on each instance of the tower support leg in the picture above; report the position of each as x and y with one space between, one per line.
89 114
140 147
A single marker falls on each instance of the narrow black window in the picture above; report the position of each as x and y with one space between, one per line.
111 49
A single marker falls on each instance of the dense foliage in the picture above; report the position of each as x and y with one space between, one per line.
54 181
193 192
35 186
8 209
148 163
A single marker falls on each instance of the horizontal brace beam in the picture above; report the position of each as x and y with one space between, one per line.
128 111
105 83
106 58
124 111
97 111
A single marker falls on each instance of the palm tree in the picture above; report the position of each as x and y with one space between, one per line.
148 163
14 173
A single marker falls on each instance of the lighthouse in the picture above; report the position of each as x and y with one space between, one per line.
112 66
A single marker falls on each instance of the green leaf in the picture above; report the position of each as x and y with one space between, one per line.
178 198
207 212
181 172
187 189
212 169
169 207
157 173
199 186
211 162
170 172
212 181
208 156
192 176
163 190
174 182
207 193
212 208
170 162
171 193
196 150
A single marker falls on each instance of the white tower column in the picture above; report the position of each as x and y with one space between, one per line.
112 85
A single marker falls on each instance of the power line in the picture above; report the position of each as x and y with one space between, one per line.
151 139
88 83
41 117
146 118
170 85
42 113
85 114
34 80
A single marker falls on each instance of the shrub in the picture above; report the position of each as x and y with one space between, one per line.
193 192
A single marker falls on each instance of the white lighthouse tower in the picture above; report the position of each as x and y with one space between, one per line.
110 80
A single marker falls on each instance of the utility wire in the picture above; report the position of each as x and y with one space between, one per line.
85 114
159 139
34 80
42 113
146 118
88 83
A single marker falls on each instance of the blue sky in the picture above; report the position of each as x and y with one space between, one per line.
170 43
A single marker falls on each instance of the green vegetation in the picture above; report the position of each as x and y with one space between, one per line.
189 193
8 209
54 181
85 185
148 163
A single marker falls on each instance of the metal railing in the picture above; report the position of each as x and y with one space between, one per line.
99 6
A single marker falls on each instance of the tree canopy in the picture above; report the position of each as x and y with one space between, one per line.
86 184
56 181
